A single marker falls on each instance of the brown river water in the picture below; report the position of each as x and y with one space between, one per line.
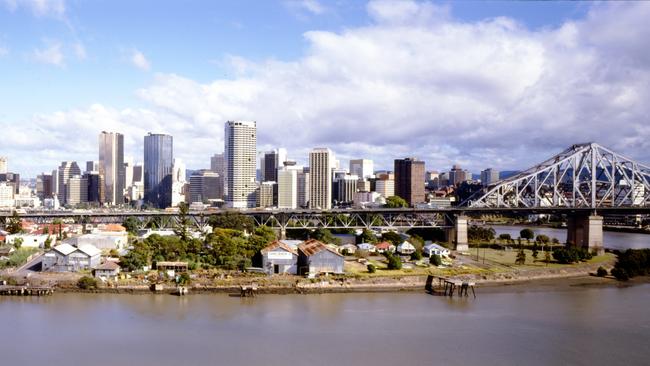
585 326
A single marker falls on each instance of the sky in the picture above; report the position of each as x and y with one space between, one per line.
480 84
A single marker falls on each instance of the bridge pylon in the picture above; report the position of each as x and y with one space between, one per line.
585 230
457 232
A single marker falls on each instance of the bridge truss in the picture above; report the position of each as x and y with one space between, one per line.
582 176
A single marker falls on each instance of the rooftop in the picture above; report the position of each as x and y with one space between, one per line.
313 246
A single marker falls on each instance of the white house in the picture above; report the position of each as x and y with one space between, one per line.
107 270
66 258
432 249
405 248
384 247
102 240
30 240
370 248
350 248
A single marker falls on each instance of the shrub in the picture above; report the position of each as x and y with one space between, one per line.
371 268
394 261
87 283
571 255
416 256
620 274
435 260
521 257
601 272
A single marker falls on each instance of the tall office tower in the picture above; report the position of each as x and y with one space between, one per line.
67 170
12 179
128 172
489 176
55 182
346 188
273 160
320 178
303 188
409 180
92 166
138 176
158 164
94 187
44 186
111 166
205 185
178 182
385 187
240 139
76 190
265 196
3 164
218 163
457 175
288 187
364 168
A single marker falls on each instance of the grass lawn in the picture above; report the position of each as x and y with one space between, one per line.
507 258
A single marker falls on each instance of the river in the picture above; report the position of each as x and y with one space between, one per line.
612 239
587 326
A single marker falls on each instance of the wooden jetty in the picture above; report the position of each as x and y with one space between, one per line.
248 291
448 287
25 291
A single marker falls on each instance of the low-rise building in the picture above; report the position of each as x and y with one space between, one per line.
367 247
315 257
279 258
405 248
29 240
384 247
107 270
348 248
431 249
102 240
67 258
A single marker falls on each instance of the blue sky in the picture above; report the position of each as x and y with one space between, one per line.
444 74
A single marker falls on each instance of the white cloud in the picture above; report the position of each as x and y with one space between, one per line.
52 54
79 51
304 8
140 61
486 93
4 51
40 8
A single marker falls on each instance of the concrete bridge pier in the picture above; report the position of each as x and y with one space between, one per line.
585 231
457 233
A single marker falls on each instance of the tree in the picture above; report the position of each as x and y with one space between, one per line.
18 242
395 202
505 237
87 283
139 256
527 234
48 243
543 239
392 237
417 255
535 251
232 220
547 257
480 234
367 236
521 257
183 222
435 260
601 272
371 268
394 261
325 236
14 225
131 225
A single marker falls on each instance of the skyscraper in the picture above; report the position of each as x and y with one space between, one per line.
273 160
489 176
240 140
364 168
288 187
44 186
67 170
158 164
458 175
76 190
346 188
303 188
218 164
205 185
3 164
111 166
320 178
409 180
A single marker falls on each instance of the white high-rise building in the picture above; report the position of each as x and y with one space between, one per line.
76 190
385 187
67 170
346 188
364 168
489 176
321 162
240 140
178 182
3 165
111 166
288 187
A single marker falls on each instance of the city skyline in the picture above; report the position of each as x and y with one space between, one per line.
461 106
